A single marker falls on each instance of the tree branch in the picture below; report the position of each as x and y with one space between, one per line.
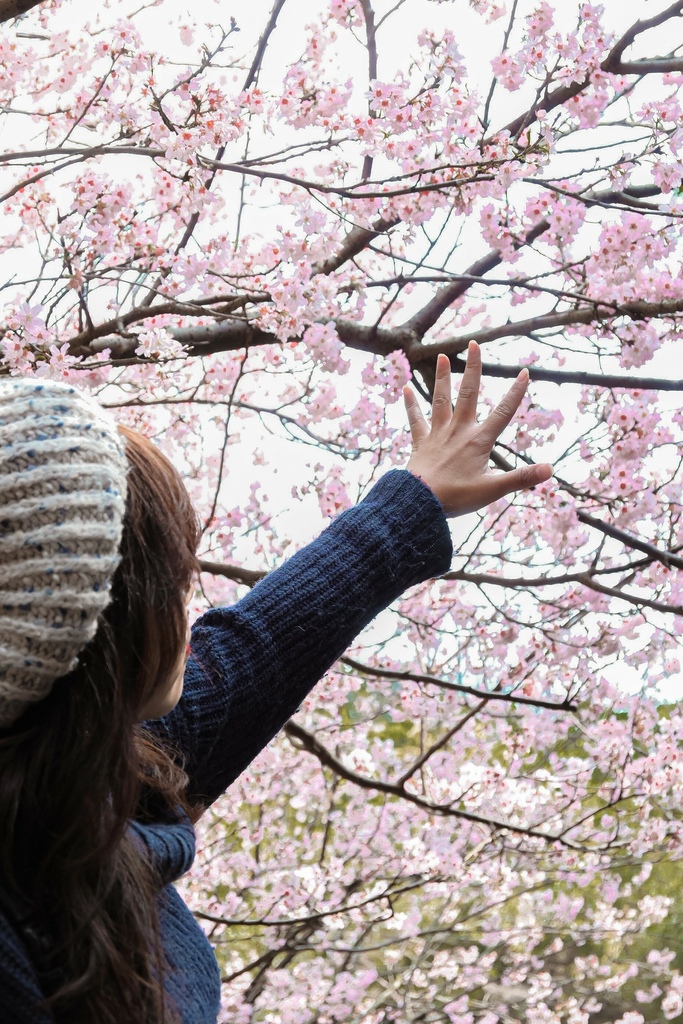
357 239
251 76
233 334
251 576
610 65
427 317
640 26
283 922
421 322
446 684
15 8
261 47
233 572
307 741
641 602
362 190
585 578
371 43
228 335
603 380
599 310
657 66
666 558
438 745
626 199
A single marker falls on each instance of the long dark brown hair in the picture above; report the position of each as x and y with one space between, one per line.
77 766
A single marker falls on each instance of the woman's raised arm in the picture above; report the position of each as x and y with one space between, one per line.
252 664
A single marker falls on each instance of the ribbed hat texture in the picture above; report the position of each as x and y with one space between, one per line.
62 500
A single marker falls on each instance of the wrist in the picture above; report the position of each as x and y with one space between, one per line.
424 479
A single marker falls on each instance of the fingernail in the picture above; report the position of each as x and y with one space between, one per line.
523 375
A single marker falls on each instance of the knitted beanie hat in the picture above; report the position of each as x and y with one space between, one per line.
62 500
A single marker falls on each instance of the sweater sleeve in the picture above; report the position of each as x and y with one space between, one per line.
252 664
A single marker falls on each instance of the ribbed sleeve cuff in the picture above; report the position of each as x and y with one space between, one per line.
419 528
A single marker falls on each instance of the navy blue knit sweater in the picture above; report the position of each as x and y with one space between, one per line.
251 667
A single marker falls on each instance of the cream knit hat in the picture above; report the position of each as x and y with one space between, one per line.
62 500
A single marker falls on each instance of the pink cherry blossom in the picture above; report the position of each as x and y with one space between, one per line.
248 267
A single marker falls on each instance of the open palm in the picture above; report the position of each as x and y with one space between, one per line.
451 455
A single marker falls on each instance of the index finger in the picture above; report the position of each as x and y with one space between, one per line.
496 422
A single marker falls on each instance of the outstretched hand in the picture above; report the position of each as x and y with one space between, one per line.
452 455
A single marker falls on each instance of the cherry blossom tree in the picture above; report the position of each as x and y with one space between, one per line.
246 234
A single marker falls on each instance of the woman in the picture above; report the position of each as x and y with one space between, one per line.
105 760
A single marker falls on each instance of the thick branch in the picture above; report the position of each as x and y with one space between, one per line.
230 335
524 328
639 602
15 8
627 199
122 344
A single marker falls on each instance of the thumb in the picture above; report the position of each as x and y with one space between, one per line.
519 479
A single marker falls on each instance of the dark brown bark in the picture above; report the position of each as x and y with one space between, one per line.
15 8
